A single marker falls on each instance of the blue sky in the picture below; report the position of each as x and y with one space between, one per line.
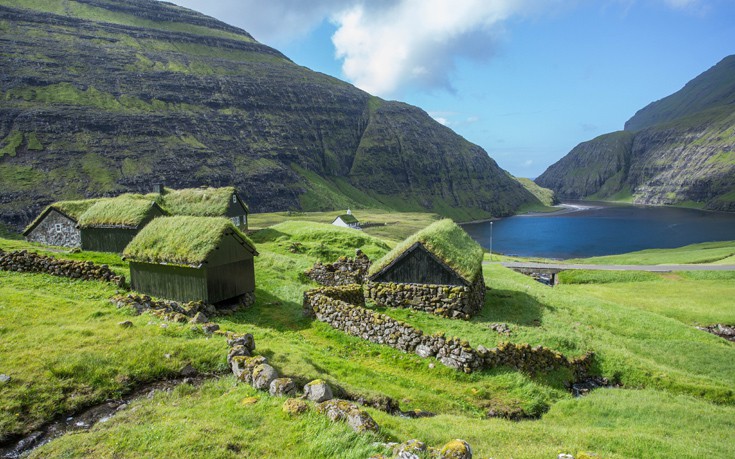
525 79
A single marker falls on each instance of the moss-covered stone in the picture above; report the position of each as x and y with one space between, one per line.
456 449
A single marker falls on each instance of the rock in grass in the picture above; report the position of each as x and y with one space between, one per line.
341 410
283 387
295 407
199 318
188 371
410 447
4 379
318 391
263 376
587 455
564 456
125 324
209 328
456 449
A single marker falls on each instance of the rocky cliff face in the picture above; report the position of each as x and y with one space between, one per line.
101 97
678 150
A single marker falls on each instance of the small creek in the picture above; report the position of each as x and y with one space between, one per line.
85 419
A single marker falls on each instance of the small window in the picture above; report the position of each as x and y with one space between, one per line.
236 221
245 219
234 199
58 227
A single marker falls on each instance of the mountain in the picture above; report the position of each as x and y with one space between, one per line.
101 97
675 151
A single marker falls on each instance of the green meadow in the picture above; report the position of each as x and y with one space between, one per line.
61 344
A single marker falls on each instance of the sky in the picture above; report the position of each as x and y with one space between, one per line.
527 80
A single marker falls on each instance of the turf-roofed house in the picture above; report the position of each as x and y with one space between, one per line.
57 224
347 220
207 202
437 270
110 224
193 259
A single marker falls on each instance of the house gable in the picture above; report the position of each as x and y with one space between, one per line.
54 227
418 265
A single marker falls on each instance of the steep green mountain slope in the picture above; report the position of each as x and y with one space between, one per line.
100 97
678 150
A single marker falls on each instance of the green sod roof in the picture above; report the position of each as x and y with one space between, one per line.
127 211
198 202
347 218
181 240
73 209
448 242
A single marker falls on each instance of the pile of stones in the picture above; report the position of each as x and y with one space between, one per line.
194 312
344 271
723 331
255 370
452 352
29 262
415 449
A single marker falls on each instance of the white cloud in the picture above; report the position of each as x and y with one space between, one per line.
528 163
417 42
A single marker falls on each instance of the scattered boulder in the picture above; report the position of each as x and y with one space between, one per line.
4 379
283 387
125 324
263 376
318 391
209 328
456 449
295 407
188 371
409 448
199 318
341 410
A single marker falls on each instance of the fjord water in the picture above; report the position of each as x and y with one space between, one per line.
593 229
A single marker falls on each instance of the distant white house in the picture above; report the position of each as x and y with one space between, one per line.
347 221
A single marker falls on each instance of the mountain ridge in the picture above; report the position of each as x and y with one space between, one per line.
107 97
675 151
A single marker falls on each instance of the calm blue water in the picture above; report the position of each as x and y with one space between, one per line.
602 230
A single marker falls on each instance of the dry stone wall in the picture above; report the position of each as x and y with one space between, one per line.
344 271
29 262
451 301
452 352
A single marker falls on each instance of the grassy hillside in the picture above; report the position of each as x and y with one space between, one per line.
678 400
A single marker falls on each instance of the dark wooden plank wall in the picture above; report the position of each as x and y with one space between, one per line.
107 239
230 280
419 267
170 282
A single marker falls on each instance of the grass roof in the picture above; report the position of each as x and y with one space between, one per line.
446 241
123 211
181 240
198 202
347 218
73 209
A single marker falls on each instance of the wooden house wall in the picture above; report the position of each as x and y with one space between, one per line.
170 282
420 267
230 280
107 239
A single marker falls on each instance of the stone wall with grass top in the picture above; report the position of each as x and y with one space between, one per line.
344 271
29 262
450 351
451 301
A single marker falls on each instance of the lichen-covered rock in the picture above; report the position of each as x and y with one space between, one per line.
242 367
456 449
406 448
295 406
245 340
281 387
263 376
237 351
209 328
199 318
318 391
125 324
188 371
342 410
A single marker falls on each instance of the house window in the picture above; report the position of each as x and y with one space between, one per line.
234 199
236 221
58 227
245 219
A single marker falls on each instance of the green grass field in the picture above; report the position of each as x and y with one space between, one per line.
62 346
